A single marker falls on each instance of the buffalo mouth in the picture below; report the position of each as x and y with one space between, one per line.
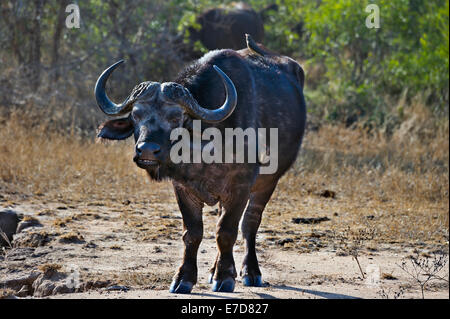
147 163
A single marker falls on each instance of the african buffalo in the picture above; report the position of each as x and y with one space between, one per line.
260 90
225 28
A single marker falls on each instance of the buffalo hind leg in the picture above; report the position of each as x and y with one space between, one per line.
191 211
250 272
224 271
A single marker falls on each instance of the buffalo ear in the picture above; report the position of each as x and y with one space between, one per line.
118 129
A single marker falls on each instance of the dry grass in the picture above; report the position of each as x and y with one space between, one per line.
38 162
397 185
71 237
156 281
28 218
59 222
46 268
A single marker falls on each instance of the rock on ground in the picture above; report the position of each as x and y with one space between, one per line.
8 225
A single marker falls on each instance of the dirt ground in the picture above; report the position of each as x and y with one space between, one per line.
103 229
124 251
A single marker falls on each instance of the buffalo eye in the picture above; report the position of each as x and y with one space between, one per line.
174 121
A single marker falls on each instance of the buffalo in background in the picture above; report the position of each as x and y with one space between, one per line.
225 28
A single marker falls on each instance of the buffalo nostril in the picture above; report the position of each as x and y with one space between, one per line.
156 148
147 149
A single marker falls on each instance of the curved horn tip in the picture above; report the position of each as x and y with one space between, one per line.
105 104
115 65
226 78
215 115
219 70
119 62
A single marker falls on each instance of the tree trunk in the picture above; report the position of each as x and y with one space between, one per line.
34 61
13 24
59 25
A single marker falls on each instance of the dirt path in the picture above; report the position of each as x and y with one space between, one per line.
125 247
287 275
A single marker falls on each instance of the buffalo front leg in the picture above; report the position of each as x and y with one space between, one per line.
191 210
224 272
250 272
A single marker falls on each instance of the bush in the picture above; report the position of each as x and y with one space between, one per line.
408 54
352 72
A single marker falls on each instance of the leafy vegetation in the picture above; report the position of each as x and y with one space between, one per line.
353 72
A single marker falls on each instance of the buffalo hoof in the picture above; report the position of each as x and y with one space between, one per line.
181 287
226 285
252 281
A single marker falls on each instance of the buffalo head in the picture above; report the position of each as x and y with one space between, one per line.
154 110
